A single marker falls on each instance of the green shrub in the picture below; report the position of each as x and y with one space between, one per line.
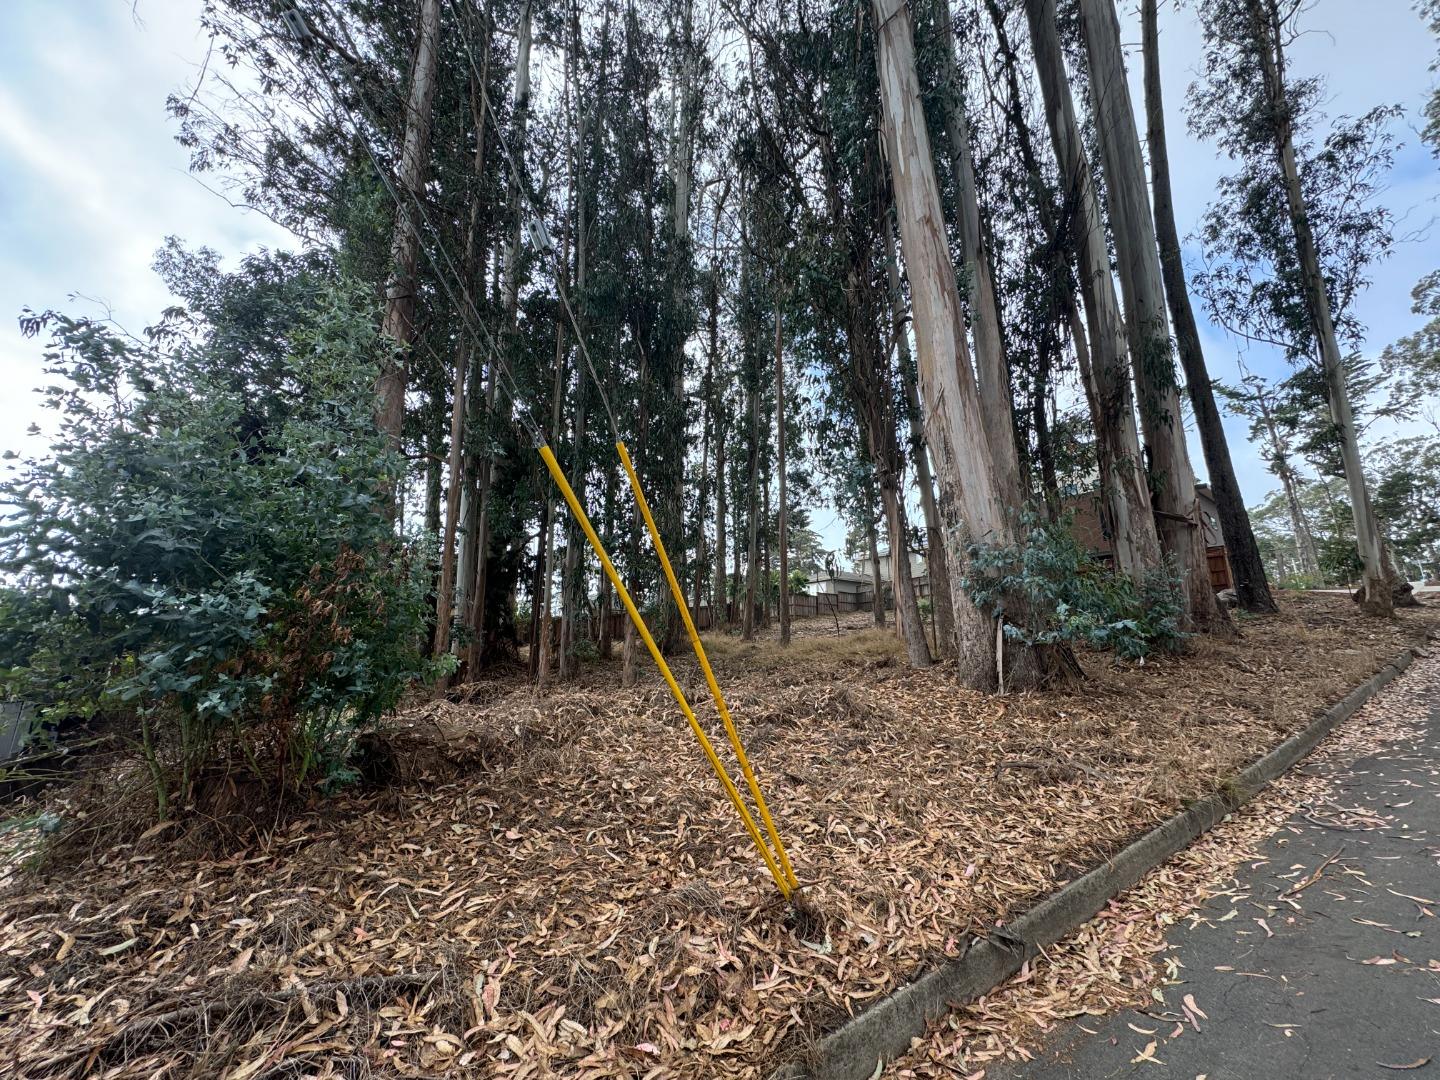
1051 591
206 552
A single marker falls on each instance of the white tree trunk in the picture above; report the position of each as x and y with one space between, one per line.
1147 326
993 372
971 477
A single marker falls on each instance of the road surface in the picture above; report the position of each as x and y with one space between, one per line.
1323 963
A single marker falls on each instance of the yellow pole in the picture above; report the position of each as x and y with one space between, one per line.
781 881
720 706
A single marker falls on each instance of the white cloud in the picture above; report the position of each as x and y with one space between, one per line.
91 176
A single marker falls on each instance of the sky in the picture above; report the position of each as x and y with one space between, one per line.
92 180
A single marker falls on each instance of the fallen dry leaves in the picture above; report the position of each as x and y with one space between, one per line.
556 887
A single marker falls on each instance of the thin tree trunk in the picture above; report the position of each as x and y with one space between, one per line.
1378 599
941 604
877 580
1044 444
1251 587
547 618
752 560
521 108
1138 256
445 594
572 574
1280 463
783 540
1127 499
907 606
701 500
456 573
765 609
398 323
606 635
721 600
970 472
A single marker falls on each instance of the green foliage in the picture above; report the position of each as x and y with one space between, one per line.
1050 591
1339 561
1252 280
206 549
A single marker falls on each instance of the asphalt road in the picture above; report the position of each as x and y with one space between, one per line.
1323 963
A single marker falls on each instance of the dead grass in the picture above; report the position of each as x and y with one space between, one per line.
570 870
857 642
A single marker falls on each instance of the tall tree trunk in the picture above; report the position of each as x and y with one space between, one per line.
445 594
992 368
701 501
455 576
680 166
521 109
1044 444
606 634
783 540
1251 587
752 560
508 278
1172 479
572 574
398 323
766 611
970 472
720 602
937 567
1265 25
541 651
1127 498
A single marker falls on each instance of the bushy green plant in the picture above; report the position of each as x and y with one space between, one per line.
1049 590
1339 561
214 563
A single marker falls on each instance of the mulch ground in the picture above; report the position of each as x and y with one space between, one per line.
557 887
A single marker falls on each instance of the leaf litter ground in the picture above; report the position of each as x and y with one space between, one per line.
557 887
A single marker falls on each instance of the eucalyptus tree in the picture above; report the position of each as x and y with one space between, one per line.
1172 480
1272 427
1251 588
970 470
820 75
1298 215
1122 476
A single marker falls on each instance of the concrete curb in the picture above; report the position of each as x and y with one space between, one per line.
860 1049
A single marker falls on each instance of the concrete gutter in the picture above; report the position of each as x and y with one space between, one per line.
860 1049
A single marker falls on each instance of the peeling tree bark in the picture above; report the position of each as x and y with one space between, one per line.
969 471
992 368
1137 254
936 562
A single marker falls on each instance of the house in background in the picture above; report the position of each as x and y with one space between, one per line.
1092 531
917 565
845 583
